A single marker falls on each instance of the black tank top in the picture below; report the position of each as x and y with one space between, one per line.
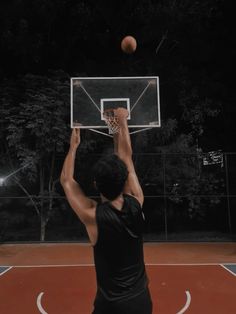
118 253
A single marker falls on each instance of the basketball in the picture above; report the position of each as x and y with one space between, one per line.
128 44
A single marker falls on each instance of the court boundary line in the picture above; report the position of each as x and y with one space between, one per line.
6 270
92 265
230 271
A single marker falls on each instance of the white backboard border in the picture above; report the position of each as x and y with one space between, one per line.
95 128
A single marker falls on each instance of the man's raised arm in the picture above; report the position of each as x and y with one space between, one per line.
80 203
123 149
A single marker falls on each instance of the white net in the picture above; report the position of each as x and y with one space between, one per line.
111 121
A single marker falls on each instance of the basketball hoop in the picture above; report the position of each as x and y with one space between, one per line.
111 121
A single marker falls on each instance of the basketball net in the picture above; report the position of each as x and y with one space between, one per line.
111 121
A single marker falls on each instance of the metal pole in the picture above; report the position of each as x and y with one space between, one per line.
165 200
227 191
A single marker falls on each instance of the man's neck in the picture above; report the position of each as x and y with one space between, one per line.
117 202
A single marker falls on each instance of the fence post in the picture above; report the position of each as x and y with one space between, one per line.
227 192
164 192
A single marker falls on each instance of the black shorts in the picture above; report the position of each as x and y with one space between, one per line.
141 304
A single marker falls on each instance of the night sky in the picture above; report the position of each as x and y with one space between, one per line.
188 44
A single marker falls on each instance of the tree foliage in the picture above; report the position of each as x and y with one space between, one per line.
34 112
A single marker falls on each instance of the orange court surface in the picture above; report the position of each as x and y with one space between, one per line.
192 278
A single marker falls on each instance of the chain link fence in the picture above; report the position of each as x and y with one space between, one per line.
188 197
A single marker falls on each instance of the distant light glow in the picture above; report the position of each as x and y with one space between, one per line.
2 180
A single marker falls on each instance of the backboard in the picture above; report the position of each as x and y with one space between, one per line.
90 96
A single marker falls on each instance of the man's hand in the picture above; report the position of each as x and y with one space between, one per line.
121 114
75 139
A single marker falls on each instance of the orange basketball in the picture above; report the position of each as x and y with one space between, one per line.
129 44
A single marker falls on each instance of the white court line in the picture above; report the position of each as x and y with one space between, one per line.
230 271
183 264
92 264
39 305
4 272
51 265
186 304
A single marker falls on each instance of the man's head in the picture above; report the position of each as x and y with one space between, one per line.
110 175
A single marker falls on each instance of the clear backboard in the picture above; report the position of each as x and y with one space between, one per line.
90 96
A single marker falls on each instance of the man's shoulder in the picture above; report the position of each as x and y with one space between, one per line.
132 199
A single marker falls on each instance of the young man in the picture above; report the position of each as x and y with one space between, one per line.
115 226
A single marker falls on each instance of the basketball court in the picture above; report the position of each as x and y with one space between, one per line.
69 69
60 278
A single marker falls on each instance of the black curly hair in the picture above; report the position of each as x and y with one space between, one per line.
110 175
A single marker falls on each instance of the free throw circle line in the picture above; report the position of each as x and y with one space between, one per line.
186 304
39 305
